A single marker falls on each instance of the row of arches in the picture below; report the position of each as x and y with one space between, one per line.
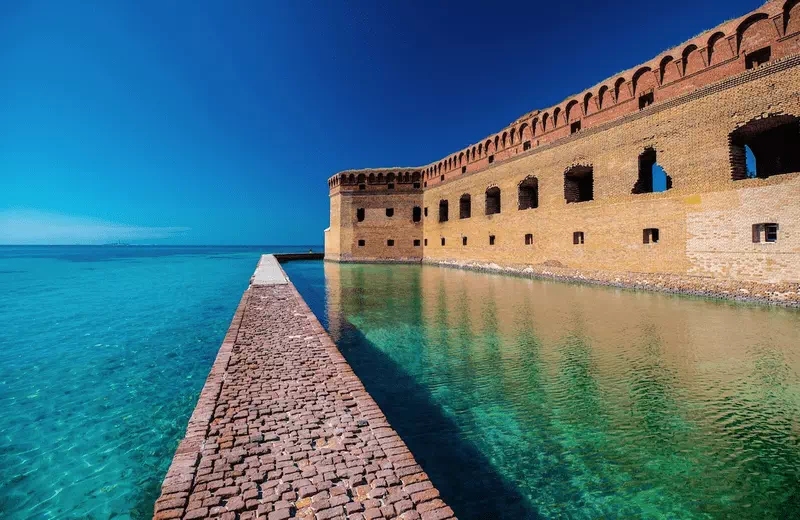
752 34
578 187
373 178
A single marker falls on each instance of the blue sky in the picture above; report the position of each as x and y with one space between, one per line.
220 122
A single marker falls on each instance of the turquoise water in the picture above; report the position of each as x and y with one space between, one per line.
104 353
534 399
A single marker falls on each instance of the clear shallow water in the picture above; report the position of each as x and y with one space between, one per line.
104 353
534 399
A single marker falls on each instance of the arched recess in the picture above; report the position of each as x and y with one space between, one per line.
465 206
589 106
621 92
718 49
504 140
493 200
415 177
643 80
572 112
535 127
460 158
791 17
473 154
755 33
604 97
371 178
524 132
362 178
579 184
556 117
667 72
528 193
390 177
488 147
480 150
496 143
468 155
351 179
692 60
545 122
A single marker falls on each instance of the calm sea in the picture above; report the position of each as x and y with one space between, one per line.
527 399
104 353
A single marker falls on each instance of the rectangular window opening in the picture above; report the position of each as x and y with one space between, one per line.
426 241
463 169
362 186
441 178
577 238
529 239
646 100
491 240
575 127
426 212
463 241
491 159
361 243
390 243
767 232
360 214
757 58
416 185
650 236
391 186
442 241
389 212
526 145
416 243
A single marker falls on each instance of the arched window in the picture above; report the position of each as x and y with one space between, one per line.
774 148
529 193
579 184
493 200
465 206
652 177
443 211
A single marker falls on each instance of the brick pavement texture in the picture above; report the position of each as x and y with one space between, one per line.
284 429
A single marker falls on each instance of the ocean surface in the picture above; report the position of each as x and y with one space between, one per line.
104 353
522 399
527 399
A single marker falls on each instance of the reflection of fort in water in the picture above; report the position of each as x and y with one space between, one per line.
662 388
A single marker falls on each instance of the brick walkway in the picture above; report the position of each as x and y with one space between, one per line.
284 429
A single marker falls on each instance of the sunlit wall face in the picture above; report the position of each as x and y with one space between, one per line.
574 400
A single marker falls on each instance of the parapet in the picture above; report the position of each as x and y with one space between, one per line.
766 34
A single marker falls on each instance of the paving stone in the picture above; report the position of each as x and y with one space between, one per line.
283 428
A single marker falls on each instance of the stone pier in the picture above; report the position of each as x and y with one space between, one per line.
284 429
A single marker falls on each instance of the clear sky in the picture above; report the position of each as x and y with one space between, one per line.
220 122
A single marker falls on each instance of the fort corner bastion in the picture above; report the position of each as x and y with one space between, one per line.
642 179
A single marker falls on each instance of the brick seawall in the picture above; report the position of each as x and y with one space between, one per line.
284 429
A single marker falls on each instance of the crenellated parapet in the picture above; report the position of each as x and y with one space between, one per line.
761 36
386 178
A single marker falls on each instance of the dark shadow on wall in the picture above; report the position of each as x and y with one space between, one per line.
462 474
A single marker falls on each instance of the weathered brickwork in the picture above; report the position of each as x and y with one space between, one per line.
692 110
284 429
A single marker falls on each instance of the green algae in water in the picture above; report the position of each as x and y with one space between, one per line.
537 399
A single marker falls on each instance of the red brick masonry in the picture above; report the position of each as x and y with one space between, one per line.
284 429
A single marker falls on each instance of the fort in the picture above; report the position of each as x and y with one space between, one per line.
641 180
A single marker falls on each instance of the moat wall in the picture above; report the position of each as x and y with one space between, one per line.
694 128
